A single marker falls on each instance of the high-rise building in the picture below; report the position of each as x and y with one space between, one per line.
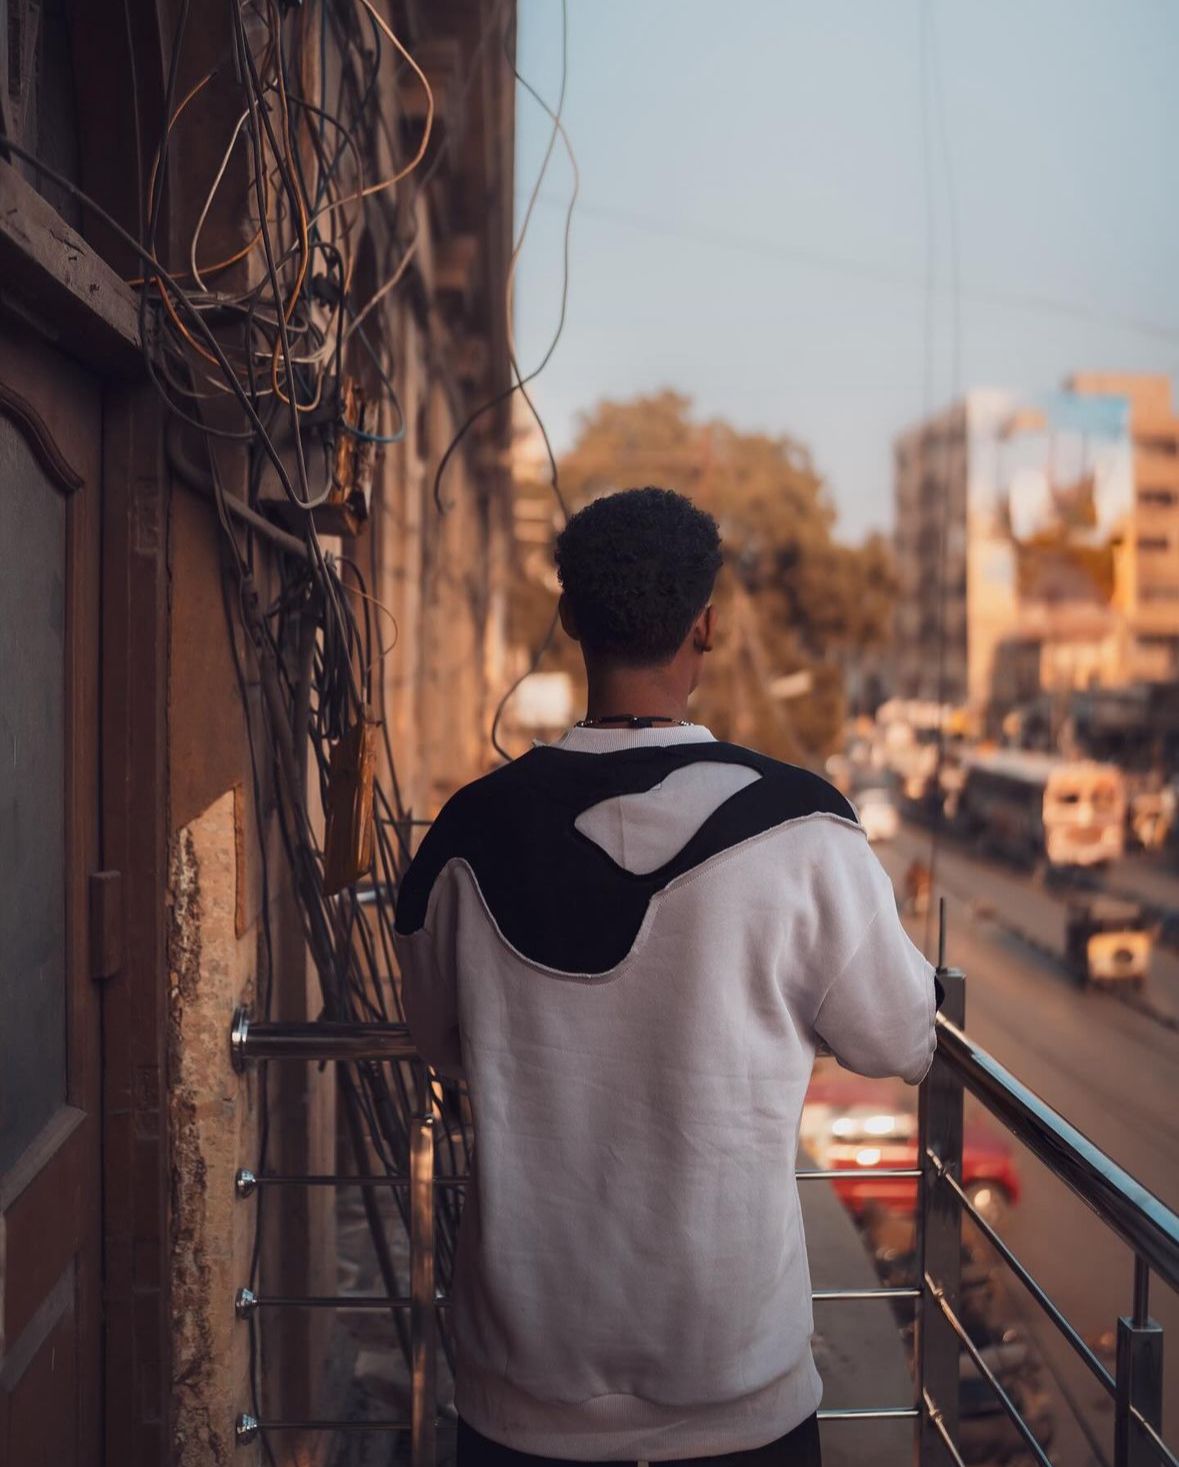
1151 591
956 581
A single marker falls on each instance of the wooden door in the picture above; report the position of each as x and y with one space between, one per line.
50 1203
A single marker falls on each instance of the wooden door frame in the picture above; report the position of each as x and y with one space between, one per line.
57 283
56 279
52 1260
136 1002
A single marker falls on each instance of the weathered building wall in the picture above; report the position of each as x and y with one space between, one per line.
193 824
434 589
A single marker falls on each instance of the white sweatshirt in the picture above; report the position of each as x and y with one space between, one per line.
629 944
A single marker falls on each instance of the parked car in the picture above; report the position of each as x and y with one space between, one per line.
877 812
847 1129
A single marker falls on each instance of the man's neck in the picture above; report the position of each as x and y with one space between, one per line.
635 692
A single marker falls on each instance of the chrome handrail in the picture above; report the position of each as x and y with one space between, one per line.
1139 1218
1131 1212
1010 1409
1024 1275
1128 1208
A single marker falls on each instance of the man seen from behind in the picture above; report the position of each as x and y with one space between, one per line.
629 944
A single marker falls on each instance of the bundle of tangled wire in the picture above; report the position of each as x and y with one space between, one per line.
253 349
276 344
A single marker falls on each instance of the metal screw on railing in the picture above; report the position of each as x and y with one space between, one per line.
245 1183
245 1302
1139 1377
939 1230
245 1429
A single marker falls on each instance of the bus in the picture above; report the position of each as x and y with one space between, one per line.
1041 808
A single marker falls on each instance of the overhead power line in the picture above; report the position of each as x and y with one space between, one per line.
781 250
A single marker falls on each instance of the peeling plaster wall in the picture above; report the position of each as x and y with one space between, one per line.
442 579
213 1127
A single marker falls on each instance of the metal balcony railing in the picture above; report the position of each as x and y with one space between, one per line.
1134 1214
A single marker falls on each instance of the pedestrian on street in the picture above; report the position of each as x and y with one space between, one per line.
630 944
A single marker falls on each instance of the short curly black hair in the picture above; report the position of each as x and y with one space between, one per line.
637 568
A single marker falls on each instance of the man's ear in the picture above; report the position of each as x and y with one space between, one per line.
703 629
565 612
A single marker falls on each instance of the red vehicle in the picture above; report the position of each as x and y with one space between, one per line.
849 1127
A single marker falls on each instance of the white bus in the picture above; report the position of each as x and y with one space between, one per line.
1039 807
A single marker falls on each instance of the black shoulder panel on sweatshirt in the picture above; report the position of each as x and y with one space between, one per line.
558 898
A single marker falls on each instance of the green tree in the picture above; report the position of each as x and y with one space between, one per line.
791 599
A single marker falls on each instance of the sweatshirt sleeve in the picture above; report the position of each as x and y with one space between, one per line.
877 1013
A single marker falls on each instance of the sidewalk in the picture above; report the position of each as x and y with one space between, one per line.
857 1343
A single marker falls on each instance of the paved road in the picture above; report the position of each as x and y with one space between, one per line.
1145 878
1023 907
1110 1067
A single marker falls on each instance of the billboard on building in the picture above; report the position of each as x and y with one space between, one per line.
1064 481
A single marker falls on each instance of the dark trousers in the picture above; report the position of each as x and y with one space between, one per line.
798 1448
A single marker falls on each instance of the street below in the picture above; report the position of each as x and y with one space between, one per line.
1107 1061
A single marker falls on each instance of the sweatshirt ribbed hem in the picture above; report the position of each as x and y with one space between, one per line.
620 1428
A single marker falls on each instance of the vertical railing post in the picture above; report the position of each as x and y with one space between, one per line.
422 1313
1139 1376
939 1233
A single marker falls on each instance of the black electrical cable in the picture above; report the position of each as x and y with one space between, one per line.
519 382
254 101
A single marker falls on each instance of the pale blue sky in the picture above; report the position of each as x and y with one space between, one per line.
752 226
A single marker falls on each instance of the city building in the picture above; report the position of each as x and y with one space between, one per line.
955 592
1151 588
328 215
1037 543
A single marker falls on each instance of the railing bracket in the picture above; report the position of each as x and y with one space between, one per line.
239 1032
1139 1388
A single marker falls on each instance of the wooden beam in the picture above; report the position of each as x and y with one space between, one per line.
52 279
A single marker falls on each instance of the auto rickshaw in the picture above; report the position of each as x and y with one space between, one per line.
1108 942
